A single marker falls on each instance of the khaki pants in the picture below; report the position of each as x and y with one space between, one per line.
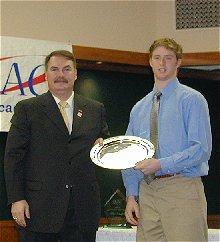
173 209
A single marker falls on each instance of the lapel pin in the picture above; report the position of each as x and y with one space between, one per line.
79 114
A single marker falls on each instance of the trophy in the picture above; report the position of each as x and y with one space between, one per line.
115 208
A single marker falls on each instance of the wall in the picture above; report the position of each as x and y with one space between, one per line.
121 25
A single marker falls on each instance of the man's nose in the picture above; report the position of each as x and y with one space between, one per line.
60 73
162 61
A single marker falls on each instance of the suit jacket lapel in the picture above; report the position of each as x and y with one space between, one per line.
52 111
78 113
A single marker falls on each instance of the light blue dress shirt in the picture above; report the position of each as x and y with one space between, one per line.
185 140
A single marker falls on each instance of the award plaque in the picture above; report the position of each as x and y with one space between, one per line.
115 209
121 152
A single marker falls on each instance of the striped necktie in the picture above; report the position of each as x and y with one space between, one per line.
154 129
154 120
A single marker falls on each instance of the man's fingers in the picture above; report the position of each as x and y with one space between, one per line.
20 210
99 141
130 218
20 220
27 212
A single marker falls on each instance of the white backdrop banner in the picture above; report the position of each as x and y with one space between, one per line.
22 72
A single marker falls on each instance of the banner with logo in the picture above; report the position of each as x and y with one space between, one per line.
22 72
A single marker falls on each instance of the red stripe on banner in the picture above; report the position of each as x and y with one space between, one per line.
36 80
16 56
6 58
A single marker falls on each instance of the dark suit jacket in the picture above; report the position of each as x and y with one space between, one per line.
42 161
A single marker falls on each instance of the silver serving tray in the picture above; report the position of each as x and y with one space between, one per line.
121 152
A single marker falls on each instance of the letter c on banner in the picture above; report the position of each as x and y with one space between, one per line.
30 80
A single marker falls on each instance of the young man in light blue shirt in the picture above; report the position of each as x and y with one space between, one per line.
173 206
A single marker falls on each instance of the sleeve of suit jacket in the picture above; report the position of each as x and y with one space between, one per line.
16 148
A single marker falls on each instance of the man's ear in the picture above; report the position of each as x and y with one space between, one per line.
150 62
179 63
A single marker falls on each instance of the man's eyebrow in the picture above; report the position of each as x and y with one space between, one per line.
164 55
62 67
53 66
67 66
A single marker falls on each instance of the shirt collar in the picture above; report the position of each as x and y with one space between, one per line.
168 89
69 100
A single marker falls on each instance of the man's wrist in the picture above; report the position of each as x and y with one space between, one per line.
132 198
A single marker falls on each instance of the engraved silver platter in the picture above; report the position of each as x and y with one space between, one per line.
121 152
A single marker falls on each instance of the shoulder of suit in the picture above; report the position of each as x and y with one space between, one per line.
33 100
87 100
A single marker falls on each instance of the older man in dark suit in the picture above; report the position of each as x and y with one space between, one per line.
50 178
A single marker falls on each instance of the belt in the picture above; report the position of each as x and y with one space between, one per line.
165 176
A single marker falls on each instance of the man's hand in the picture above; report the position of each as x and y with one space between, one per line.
132 211
99 141
148 166
20 211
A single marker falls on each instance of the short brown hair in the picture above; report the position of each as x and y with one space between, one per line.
64 53
169 44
